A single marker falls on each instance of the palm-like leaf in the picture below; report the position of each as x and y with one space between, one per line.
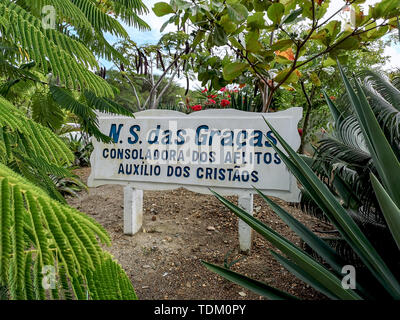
66 52
385 161
345 156
37 231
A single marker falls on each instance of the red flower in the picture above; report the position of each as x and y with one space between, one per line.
196 107
300 130
211 101
205 90
225 103
332 97
212 96
222 89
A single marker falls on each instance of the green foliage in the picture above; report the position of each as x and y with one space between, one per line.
51 49
274 42
320 77
56 63
90 19
84 107
32 150
233 70
343 160
46 111
381 281
68 185
162 9
34 138
52 234
275 12
37 231
81 148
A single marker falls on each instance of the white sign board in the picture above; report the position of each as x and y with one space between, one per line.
222 149
225 150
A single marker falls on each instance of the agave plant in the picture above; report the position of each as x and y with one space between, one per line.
56 65
381 280
246 102
82 149
343 162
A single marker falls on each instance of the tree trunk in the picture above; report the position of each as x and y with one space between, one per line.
154 100
269 100
305 128
307 116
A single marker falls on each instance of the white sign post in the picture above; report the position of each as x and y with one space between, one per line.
245 232
228 151
133 210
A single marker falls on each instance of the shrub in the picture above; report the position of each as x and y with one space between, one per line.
381 281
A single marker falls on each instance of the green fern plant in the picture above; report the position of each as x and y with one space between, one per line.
51 50
32 150
38 231
67 56
37 228
61 59
246 102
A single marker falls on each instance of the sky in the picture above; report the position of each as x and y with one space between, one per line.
152 37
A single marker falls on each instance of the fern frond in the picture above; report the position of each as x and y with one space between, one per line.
64 9
58 233
38 231
46 112
137 5
28 277
65 99
5 247
78 288
387 114
106 105
19 244
65 288
101 286
58 237
41 141
381 85
76 246
41 241
86 115
332 150
100 20
37 281
26 31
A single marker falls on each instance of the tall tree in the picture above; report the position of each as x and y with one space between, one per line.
274 41
153 64
56 44
38 231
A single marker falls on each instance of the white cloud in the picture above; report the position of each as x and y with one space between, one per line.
394 61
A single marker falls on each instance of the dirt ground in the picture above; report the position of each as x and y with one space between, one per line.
180 229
